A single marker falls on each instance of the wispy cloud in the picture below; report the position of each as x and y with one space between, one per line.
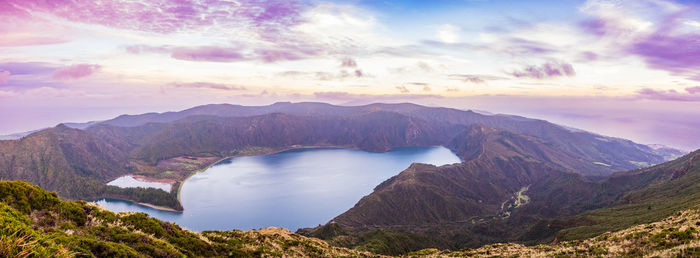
677 53
164 16
75 71
4 76
342 74
369 98
421 85
475 78
207 85
403 89
207 53
690 94
664 41
546 70
348 62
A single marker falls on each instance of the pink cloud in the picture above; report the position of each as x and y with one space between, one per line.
285 52
348 62
76 71
668 47
546 70
693 90
163 16
4 75
269 56
289 51
207 53
690 94
679 54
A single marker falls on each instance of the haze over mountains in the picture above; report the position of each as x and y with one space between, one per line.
520 179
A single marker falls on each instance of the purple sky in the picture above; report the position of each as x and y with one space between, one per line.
622 68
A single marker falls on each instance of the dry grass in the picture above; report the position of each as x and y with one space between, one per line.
674 236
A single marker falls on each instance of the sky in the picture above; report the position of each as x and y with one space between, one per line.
629 69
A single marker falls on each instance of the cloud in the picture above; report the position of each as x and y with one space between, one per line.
4 76
690 94
546 70
7 94
359 73
207 85
448 33
28 68
693 90
425 67
348 62
28 75
284 54
346 96
229 53
22 39
678 54
587 56
512 46
475 78
424 86
663 38
207 53
138 49
164 16
75 71
326 76
402 89
416 68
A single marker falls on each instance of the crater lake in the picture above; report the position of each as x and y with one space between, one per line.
291 189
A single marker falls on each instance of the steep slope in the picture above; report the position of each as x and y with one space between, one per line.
650 194
425 195
74 163
484 141
510 188
497 164
674 236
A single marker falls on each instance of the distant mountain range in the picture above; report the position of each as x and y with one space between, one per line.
520 179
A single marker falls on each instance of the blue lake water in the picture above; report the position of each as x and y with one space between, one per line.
292 189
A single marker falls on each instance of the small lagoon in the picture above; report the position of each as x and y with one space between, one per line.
132 181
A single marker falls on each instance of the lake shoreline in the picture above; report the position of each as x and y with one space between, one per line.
152 206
